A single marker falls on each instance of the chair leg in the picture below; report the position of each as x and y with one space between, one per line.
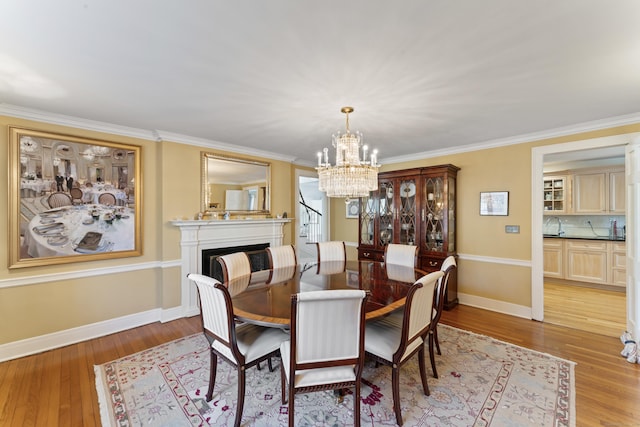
435 337
282 385
292 403
270 365
395 385
423 371
432 356
212 375
356 406
241 384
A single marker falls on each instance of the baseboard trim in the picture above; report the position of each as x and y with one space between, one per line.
495 305
26 347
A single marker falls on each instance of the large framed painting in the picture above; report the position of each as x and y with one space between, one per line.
72 199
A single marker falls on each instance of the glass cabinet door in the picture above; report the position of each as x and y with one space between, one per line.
407 212
434 213
451 208
367 219
386 208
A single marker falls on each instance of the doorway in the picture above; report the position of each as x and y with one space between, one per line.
312 222
539 155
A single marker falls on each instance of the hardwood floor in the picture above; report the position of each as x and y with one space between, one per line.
57 388
585 308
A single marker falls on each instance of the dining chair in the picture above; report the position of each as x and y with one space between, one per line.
76 196
282 256
242 346
331 251
439 296
234 265
107 199
393 344
317 357
59 199
400 254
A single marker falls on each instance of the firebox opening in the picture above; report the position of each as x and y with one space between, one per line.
258 258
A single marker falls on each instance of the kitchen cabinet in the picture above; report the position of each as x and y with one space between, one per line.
555 194
586 261
617 192
553 255
590 193
413 207
618 264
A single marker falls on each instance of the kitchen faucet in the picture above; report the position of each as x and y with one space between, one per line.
560 230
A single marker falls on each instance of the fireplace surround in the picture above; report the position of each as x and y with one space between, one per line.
197 236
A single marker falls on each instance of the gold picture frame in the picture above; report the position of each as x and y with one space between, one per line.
50 221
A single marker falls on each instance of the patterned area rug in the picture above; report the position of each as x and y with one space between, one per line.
483 382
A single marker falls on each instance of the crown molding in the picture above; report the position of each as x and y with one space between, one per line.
217 145
146 134
611 122
76 122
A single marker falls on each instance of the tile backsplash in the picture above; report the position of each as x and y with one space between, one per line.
584 225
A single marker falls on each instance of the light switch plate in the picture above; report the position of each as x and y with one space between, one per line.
515 229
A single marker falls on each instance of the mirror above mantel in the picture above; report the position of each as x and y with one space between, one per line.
234 185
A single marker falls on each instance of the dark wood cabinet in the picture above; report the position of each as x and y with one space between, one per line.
413 206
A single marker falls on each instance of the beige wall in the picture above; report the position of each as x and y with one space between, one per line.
171 189
498 169
171 184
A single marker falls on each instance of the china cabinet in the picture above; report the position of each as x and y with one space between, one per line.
413 207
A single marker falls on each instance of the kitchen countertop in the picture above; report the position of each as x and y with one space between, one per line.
606 238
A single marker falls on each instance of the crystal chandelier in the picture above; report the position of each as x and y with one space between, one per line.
352 176
28 144
100 150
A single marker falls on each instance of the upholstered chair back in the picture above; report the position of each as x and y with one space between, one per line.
216 312
400 254
58 200
107 199
319 317
419 308
282 256
234 265
331 251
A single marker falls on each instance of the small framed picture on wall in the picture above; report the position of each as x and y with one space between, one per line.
353 208
494 203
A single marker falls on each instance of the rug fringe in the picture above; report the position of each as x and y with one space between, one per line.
105 413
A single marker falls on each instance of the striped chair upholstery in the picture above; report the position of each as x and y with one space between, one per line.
394 343
331 251
400 254
59 199
439 296
282 256
234 265
317 358
241 345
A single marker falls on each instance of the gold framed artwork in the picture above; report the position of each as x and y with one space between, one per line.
72 199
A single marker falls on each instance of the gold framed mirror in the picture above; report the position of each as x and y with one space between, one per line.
72 199
234 185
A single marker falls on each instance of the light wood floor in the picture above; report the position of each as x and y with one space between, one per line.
57 388
585 308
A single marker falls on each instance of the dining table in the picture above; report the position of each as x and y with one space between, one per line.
264 297
80 229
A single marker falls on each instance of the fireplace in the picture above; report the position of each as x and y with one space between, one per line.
258 258
201 240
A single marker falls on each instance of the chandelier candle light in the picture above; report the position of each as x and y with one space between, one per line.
352 176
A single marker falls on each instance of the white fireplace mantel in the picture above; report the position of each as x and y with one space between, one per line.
199 235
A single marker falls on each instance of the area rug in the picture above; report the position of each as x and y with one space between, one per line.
483 382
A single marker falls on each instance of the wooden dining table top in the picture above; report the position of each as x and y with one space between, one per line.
264 298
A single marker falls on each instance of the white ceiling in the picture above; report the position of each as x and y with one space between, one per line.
423 75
